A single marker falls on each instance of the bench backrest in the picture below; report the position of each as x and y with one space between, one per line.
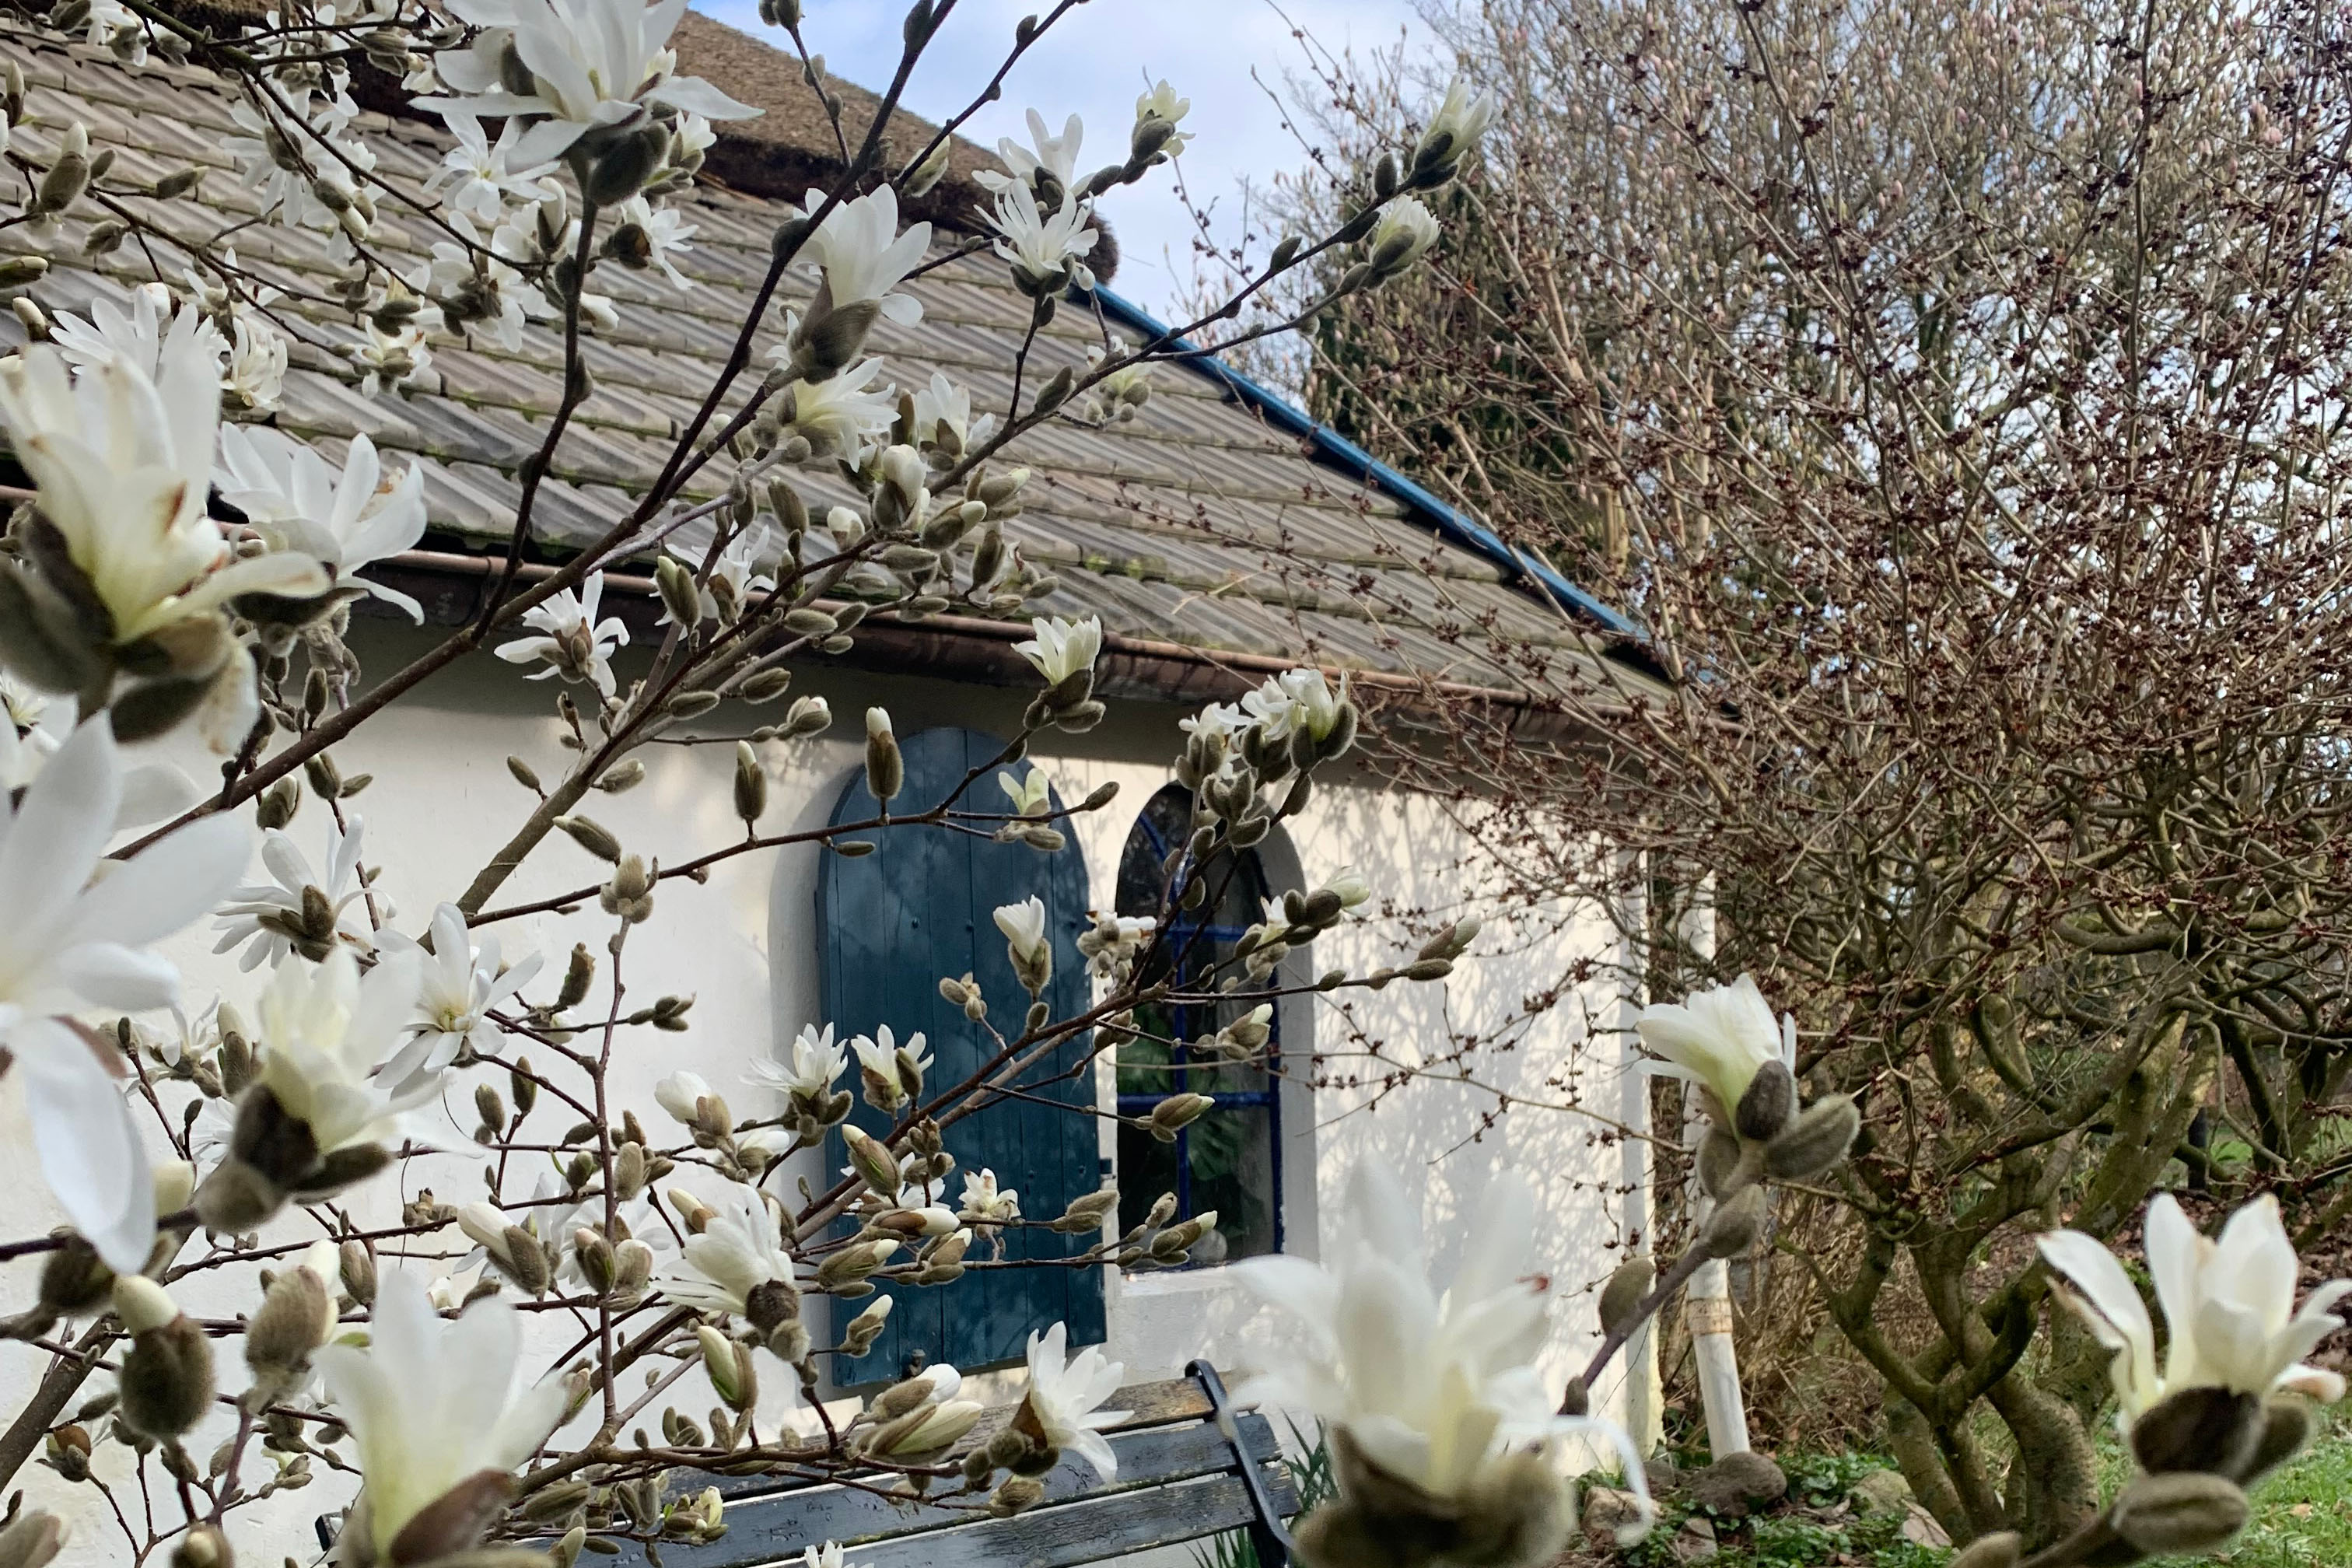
1179 1481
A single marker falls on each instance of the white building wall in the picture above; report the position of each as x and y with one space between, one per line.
442 801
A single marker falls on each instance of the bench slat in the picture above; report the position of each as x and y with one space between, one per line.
1093 1530
774 1525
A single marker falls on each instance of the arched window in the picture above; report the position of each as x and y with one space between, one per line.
1231 1158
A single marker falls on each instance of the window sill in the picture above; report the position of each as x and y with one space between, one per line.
1181 1281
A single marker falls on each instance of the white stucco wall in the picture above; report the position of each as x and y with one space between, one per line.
442 801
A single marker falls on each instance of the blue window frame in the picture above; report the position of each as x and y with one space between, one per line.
1230 1159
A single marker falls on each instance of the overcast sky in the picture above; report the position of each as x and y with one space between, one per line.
1093 64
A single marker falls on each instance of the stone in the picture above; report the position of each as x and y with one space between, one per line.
1882 1491
1920 1528
1736 1483
1695 1541
1662 1475
1608 1511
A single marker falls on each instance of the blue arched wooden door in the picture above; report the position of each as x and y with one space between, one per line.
922 906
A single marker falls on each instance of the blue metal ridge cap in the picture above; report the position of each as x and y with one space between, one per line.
1449 523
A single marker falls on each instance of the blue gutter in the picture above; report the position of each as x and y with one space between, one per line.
1337 451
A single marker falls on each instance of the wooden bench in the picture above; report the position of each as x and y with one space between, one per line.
1190 1467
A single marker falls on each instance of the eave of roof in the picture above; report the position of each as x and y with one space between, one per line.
1334 450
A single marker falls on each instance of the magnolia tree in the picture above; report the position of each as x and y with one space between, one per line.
246 1153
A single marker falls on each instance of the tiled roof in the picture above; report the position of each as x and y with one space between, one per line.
1197 524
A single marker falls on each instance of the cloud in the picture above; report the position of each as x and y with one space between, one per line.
1227 56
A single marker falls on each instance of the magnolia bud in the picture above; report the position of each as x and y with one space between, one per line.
1718 1161
1176 1112
142 1305
175 1184
578 975
2287 1427
2001 1550
591 836
885 769
1771 1099
692 1212
32 1539
2199 1428
750 783
1815 1141
679 594
356 1264
296 1314
1733 1228
629 894
1178 1239
867 1327
74 1279
874 1163
1014 1494
203 1547
1624 1292
166 1378
844 1273
2183 1512
730 1369
1088 1211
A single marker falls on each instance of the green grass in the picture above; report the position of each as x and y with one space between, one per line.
2318 1483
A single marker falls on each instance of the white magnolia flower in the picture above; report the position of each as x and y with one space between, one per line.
33 725
734 577
844 415
328 1037
943 410
432 1403
296 505
940 1419
878 1053
1061 648
863 256
461 983
739 1250
391 362
1045 252
2229 1308
141 337
264 916
1032 793
477 177
450 1291
1160 106
1024 925
1717 1038
123 463
255 375
665 230
572 642
1064 1395
1293 701
72 939
985 1202
592 64
680 1093
825 1556
1057 155
1459 124
817 1063
1431 1385
1406 230
1220 722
